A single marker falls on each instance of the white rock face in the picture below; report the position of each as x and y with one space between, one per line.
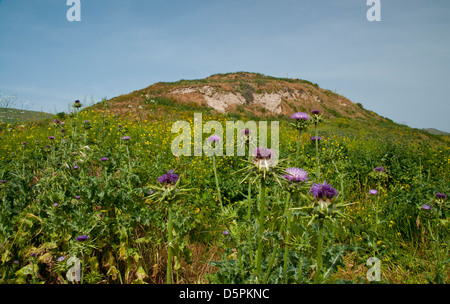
221 100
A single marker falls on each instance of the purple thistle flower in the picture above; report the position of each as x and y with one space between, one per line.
47 147
246 132
264 158
63 123
101 215
296 175
51 137
168 178
373 192
3 181
314 138
322 191
315 112
225 232
300 115
82 238
104 159
24 143
75 167
262 153
55 205
441 195
33 254
87 122
126 138
77 104
426 207
77 197
379 169
56 121
214 138
61 258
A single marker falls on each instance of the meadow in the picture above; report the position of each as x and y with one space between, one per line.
103 189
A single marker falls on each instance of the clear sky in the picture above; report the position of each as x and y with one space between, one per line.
398 67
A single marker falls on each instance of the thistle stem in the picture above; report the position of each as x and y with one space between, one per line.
249 198
299 146
262 207
317 151
287 235
319 253
217 183
169 249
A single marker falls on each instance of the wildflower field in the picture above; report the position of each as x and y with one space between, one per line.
104 190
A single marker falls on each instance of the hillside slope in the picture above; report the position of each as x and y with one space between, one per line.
244 95
253 93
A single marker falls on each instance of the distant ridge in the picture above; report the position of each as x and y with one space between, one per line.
435 131
11 115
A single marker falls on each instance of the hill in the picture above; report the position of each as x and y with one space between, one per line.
253 93
436 132
10 115
244 95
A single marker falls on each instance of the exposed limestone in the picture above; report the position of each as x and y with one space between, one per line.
220 100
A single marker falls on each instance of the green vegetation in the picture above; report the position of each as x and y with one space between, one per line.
247 91
88 189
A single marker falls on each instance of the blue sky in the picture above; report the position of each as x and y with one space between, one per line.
398 67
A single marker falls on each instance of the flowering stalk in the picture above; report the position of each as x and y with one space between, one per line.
261 167
286 237
214 139
295 177
77 106
87 126
376 215
249 198
317 118
324 193
170 246
246 133
301 122
299 144
169 192
262 207
317 151
217 183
